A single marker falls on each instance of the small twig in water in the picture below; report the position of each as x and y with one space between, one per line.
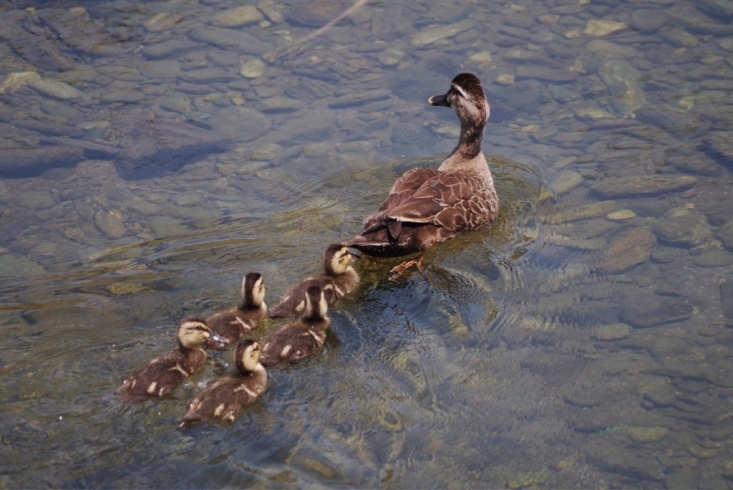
271 57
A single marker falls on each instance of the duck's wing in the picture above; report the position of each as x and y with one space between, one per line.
401 190
454 201
292 302
160 375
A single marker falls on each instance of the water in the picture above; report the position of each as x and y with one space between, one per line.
581 341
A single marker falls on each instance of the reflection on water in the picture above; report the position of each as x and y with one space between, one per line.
153 153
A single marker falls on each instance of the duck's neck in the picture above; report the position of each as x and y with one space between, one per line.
245 306
259 374
467 149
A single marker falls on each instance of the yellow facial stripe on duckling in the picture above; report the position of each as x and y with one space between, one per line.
193 333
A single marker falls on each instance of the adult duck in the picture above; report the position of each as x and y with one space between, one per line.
427 206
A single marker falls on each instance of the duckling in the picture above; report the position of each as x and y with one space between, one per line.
234 324
339 280
226 398
163 374
297 340
427 206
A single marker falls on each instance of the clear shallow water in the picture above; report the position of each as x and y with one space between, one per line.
582 340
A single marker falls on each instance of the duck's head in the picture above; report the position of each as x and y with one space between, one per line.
247 356
336 259
253 290
316 306
194 332
467 98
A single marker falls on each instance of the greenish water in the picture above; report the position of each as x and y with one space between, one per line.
153 153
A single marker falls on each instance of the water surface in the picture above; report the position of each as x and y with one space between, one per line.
153 153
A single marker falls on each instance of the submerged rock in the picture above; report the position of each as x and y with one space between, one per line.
238 16
15 266
432 35
240 40
13 160
592 210
679 38
647 20
14 81
110 223
316 13
272 10
644 309
253 68
623 82
611 332
599 28
648 434
682 226
628 249
713 258
642 185
607 49
163 21
725 233
726 298
719 145
54 88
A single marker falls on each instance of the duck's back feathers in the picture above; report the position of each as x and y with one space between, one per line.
293 342
161 375
334 288
417 216
226 398
234 324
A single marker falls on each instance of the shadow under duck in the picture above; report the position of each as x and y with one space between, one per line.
339 280
162 374
427 206
227 397
234 324
298 339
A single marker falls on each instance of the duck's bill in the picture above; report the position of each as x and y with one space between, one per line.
217 341
439 100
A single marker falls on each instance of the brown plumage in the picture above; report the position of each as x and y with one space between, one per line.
297 340
225 398
427 206
234 324
162 374
339 280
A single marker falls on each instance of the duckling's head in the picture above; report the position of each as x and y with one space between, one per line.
194 331
336 259
247 356
316 306
467 98
253 290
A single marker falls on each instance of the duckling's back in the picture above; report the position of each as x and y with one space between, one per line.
235 323
161 375
293 342
226 398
